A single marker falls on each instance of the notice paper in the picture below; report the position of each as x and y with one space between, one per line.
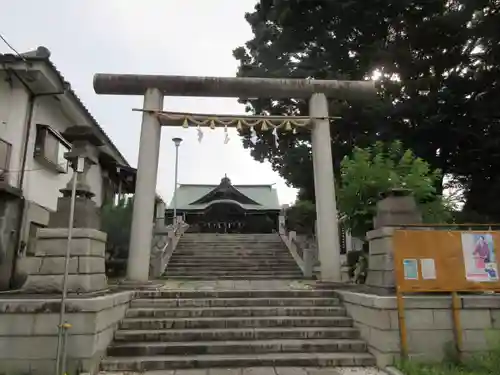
410 267
428 269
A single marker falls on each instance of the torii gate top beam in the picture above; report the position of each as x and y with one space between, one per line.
231 87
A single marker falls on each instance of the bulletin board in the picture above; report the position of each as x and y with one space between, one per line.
446 261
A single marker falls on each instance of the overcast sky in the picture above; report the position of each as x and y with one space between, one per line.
178 37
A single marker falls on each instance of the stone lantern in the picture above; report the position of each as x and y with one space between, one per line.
84 143
86 268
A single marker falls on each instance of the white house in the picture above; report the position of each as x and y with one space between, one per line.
36 106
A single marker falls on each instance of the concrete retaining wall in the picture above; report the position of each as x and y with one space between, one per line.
429 324
28 332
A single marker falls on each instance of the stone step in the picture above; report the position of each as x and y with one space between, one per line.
248 268
231 258
222 253
229 235
240 274
152 363
236 311
232 334
236 241
225 258
232 245
250 293
240 246
234 322
244 303
231 262
221 269
127 349
237 277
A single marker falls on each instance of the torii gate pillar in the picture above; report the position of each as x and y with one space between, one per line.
145 190
324 188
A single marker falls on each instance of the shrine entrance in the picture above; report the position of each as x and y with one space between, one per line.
155 88
231 218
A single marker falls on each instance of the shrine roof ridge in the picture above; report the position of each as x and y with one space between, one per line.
232 87
235 185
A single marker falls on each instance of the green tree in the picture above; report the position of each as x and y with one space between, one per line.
374 170
444 54
301 217
116 221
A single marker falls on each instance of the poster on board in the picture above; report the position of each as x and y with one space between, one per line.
428 268
410 267
479 257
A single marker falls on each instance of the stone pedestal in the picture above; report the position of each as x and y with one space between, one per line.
397 208
86 264
381 258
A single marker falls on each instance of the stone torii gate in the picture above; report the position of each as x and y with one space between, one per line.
154 88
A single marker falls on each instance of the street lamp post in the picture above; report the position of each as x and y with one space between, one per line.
177 142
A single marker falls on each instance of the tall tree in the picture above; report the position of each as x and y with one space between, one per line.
438 66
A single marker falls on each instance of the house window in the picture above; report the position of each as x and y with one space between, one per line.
50 148
5 150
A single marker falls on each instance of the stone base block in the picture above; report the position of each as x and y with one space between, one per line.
28 332
54 283
84 242
76 266
381 259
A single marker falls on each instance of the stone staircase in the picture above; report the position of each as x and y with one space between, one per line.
171 329
232 256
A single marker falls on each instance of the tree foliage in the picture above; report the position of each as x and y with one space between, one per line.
116 221
301 217
375 170
439 67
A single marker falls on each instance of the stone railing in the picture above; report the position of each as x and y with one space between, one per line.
165 240
304 254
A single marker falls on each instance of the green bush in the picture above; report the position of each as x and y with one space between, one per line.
370 172
116 221
301 217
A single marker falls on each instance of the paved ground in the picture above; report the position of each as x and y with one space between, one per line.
265 371
235 284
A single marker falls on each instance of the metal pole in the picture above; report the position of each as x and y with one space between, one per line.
62 312
66 327
177 142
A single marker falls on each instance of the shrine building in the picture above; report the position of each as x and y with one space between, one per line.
227 208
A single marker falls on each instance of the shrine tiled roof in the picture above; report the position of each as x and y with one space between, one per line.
266 196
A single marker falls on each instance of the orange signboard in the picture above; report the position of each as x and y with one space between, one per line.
446 261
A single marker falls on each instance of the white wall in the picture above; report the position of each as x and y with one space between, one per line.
41 185
13 113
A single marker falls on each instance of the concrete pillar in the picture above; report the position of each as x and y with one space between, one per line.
160 215
281 224
324 187
145 190
308 254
